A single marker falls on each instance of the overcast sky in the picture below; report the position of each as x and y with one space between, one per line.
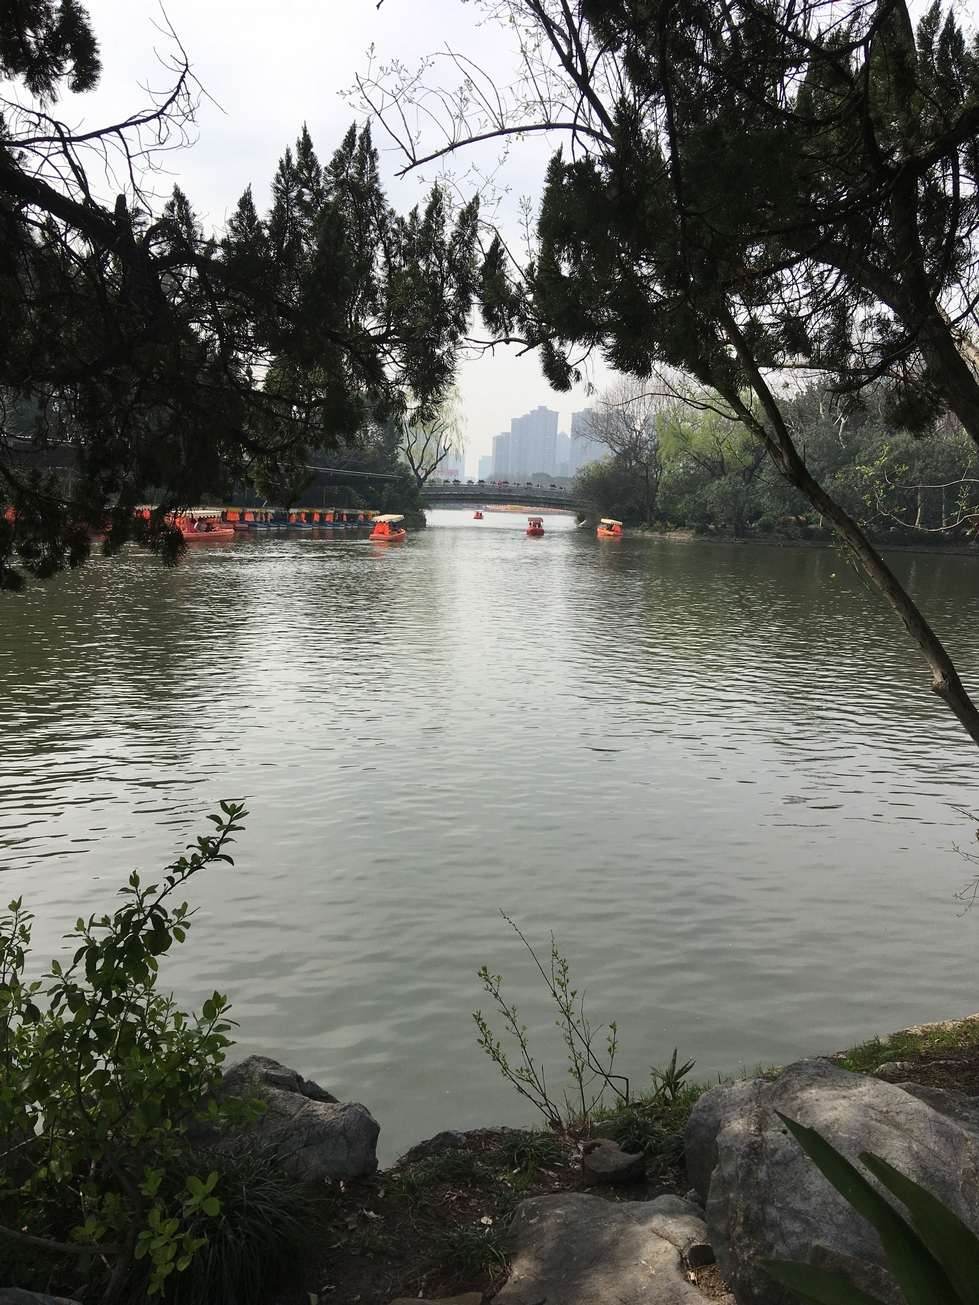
271 65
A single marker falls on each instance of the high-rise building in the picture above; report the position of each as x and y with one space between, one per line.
562 454
584 449
533 439
501 456
485 471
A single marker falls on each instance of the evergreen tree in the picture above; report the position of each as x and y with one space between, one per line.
685 229
159 364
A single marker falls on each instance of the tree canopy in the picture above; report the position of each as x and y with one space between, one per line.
719 161
159 363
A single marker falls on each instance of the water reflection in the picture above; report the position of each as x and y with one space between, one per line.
717 772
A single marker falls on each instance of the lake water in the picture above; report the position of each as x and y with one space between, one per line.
716 772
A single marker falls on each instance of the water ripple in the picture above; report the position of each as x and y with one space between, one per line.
716 772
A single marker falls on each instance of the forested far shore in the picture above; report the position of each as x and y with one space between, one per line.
673 465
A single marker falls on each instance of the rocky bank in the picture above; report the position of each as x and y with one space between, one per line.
540 1220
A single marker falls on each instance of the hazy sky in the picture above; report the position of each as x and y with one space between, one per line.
272 64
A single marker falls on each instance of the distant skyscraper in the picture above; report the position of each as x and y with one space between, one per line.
562 454
584 449
485 471
501 456
533 439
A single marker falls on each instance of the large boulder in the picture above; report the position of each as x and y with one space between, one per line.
765 1197
450 1139
576 1249
318 1136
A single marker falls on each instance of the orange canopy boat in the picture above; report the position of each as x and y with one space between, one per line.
535 525
477 516
388 529
198 529
609 528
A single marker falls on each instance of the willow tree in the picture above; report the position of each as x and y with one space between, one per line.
153 360
426 442
718 154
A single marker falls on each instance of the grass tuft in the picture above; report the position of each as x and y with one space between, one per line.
528 1151
959 1035
456 1166
472 1248
259 1243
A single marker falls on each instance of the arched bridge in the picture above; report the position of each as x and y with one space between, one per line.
441 494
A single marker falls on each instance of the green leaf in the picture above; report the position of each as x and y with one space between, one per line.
818 1285
918 1273
953 1244
212 1206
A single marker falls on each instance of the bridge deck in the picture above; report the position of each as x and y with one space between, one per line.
526 495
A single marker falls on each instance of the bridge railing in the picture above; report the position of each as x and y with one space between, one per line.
472 492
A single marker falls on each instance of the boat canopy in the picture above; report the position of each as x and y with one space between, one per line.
610 521
391 519
537 521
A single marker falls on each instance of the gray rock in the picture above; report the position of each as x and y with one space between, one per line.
670 1204
894 1071
682 1225
694 1197
604 1161
313 1090
576 1249
956 1105
17 1296
700 1135
319 1137
767 1199
255 1075
448 1140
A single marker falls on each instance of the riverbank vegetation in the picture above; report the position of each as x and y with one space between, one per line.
119 1178
673 464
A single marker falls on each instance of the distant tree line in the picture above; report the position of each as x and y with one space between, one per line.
673 463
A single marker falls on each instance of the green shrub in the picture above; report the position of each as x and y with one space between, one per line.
932 1255
101 1076
636 1129
258 1244
590 1052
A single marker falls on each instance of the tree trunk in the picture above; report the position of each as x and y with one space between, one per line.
956 379
945 678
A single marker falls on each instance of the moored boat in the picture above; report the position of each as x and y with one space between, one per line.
388 529
609 528
207 528
235 518
535 525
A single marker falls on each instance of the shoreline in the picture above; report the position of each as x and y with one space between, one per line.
686 535
435 1225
